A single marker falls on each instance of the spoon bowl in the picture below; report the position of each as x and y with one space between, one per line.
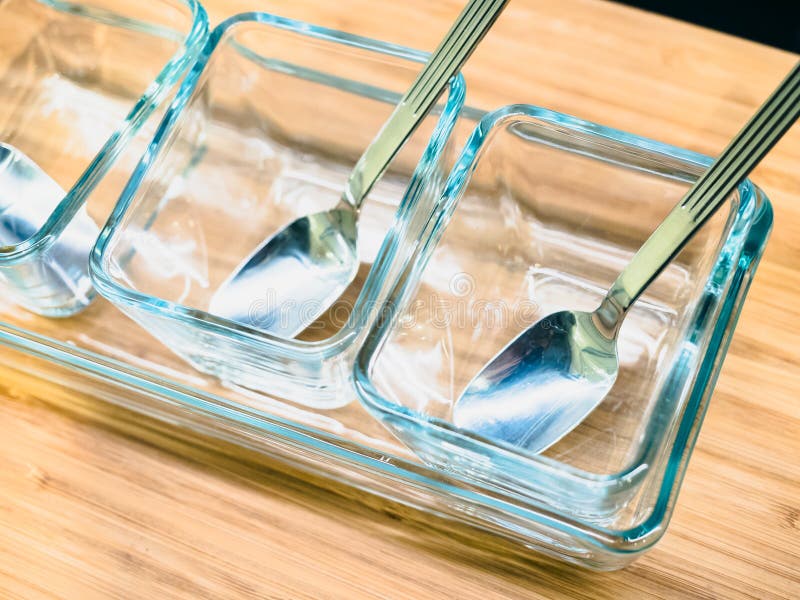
305 275
58 283
307 266
542 384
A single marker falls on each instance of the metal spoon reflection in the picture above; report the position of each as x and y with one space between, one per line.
546 381
58 279
309 264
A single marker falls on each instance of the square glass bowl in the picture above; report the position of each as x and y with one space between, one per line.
77 80
266 129
540 213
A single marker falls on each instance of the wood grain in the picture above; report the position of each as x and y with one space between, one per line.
96 502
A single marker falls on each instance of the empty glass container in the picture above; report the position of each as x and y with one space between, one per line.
77 80
264 130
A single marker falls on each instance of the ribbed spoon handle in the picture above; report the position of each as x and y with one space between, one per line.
744 152
465 34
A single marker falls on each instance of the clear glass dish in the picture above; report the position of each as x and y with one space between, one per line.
266 129
540 214
77 81
102 353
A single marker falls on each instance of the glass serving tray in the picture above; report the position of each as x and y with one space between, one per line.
104 354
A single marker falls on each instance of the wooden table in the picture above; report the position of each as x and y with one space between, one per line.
98 502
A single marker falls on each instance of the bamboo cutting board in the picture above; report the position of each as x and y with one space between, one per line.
96 502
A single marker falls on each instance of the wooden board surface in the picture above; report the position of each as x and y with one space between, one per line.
98 502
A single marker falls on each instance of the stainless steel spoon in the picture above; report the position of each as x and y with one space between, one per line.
308 265
547 380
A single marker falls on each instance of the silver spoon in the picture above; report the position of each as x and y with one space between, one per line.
57 282
307 265
548 379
